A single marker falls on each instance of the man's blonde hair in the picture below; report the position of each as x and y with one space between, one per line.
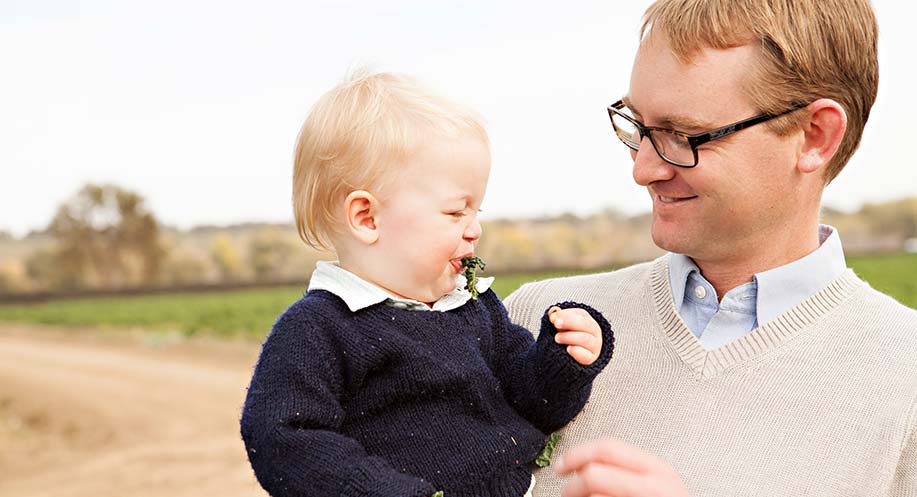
359 132
809 49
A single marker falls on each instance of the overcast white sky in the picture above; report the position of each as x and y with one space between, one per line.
196 104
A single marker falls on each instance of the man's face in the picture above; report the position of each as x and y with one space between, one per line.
740 196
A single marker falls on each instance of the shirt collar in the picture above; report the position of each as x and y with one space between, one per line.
680 268
779 289
358 293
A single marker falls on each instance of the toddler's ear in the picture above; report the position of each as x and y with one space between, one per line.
360 208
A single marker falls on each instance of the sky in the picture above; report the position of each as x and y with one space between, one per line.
196 104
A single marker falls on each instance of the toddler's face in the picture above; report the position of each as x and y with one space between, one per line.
428 219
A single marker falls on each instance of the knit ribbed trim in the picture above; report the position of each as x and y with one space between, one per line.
710 363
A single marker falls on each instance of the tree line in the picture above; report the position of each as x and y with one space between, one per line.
106 238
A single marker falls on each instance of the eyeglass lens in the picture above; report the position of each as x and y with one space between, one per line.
673 147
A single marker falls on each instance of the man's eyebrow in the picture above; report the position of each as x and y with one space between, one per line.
629 104
676 122
685 124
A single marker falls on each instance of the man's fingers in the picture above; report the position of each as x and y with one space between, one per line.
612 452
597 480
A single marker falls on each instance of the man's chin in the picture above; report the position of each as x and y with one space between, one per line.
670 240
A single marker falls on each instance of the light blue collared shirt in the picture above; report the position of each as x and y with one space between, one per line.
768 295
358 293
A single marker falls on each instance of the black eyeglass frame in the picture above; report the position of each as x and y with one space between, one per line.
693 140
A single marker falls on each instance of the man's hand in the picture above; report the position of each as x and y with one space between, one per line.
612 468
579 332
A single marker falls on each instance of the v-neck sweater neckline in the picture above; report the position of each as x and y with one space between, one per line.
710 363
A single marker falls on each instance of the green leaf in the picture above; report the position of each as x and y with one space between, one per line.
438 493
544 459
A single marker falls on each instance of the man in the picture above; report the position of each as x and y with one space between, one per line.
748 361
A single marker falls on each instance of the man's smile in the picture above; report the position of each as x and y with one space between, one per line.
671 200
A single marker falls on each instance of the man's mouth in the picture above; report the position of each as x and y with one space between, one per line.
663 199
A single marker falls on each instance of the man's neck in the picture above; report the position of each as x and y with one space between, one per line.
740 268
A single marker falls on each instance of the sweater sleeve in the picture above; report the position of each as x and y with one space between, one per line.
292 418
540 380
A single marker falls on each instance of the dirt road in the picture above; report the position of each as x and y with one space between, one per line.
100 416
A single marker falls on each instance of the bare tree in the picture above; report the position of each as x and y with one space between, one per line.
106 237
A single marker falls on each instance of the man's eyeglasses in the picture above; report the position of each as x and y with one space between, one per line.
677 148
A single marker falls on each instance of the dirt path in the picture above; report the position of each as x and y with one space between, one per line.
95 416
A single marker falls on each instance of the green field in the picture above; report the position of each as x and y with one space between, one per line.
250 313
895 275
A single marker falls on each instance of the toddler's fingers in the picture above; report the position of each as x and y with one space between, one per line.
579 338
574 319
554 316
581 355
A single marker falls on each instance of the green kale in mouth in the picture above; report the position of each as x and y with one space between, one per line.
471 264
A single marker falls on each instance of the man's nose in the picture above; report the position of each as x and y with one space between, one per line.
649 166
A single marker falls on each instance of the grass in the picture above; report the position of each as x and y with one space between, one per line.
895 275
250 313
244 312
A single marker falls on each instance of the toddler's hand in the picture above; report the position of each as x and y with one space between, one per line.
579 332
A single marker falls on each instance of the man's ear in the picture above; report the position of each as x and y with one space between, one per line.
360 210
824 130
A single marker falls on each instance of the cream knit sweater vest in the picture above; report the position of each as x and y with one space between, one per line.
822 401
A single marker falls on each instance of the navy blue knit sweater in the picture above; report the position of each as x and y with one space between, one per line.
390 402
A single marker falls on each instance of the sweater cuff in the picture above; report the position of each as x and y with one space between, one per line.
559 365
375 478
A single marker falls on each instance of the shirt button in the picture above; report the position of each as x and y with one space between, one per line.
700 292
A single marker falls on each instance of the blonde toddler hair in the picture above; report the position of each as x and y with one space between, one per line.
358 133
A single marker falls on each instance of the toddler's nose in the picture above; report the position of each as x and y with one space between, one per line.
473 230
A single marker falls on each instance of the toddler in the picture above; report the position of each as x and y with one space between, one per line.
389 378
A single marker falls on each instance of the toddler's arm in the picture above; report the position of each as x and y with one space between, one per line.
544 381
291 424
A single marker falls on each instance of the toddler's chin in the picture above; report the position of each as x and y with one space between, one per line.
434 294
445 289
440 289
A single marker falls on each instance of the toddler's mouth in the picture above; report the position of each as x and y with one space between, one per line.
456 265
457 262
